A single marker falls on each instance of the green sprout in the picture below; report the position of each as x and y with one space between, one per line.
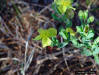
45 36
63 5
63 11
85 41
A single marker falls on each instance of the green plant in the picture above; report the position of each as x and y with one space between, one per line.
63 11
65 33
85 40
63 5
83 15
45 35
57 43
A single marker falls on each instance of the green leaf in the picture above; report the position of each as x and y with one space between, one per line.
90 34
86 52
96 51
88 2
46 42
96 57
90 19
80 14
63 34
86 29
62 9
37 37
71 31
85 15
52 32
63 44
54 42
45 36
69 13
79 29
43 33
62 5
40 30
74 41
55 17
68 23
84 40
96 41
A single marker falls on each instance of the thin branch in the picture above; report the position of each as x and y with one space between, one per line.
6 59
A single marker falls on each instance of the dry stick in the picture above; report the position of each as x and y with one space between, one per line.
54 68
64 56
37 16
37 46
9 51
50 57
27 62
17 36
39 62
3 46
95 65
18 33
17 27
45 8
18 19
37 5
37 68
1 26
26 50
21 39
3 23
41 59
65 59
5 59
46 19
55 54
21 42
47 57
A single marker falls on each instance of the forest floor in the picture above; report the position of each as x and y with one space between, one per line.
21 55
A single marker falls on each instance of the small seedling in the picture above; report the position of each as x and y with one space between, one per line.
85 41
45 35
63 5
63 11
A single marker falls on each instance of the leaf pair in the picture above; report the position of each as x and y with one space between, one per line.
83 15
45 35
